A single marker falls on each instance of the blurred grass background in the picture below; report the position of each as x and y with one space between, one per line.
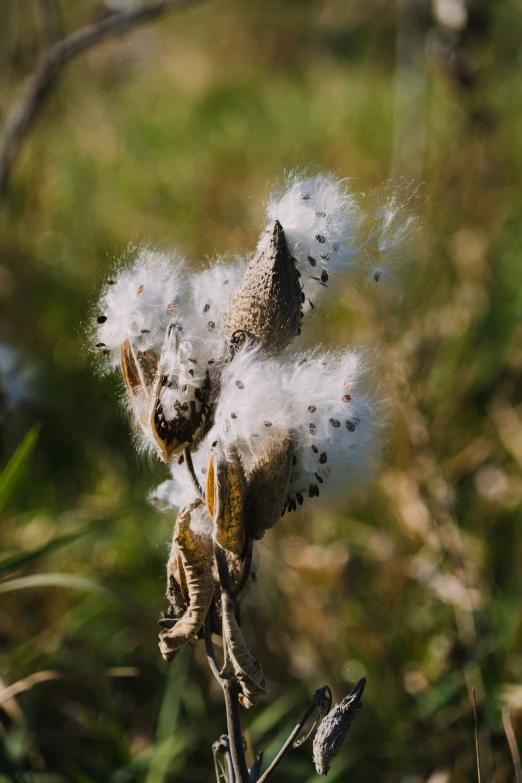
174 133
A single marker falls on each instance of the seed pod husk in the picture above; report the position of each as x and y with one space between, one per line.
138 371
266 306
267 484
226 490
196 562
334 728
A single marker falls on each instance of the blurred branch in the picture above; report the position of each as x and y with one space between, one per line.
24 111
51 21
512 740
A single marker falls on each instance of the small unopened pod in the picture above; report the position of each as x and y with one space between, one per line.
196 561
266 305
239 663
226 493
334 727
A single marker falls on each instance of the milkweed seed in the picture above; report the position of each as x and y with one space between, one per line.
321 214
211 361
268 423
184 387
318 477
101 319
107 353
313 491
181 460
302 361
335 423
346 398
111 282
323 457
350 426
300 498
324 276
100 345
377 276
211 325
214 444
140 290
320 238
233 416
191 372
312 428
312 409
145 331
314 448
325 256
225 282
240 384
312 261
206 308
305 197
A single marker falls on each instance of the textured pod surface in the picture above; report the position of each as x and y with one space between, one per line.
226 492
334 728
139 371
239 662
266 306
181 396
267 484
196 563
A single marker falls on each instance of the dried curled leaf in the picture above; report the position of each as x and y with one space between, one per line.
268 483
334 728
196 564
226 489
266 306
138 370
239 662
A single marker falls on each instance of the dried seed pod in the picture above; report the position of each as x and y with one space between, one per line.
267 303
226 490
267 484
239 662
196 563
334 728
138 370
179 409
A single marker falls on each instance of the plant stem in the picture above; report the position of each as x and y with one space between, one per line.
245 573
235 736
192 473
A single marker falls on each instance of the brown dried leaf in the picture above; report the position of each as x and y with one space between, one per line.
239 662
226 490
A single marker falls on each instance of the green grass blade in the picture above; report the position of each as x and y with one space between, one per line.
20 559
74 583
14 468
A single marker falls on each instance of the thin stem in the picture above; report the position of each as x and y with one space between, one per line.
512 741
222 565
245 573
477 746
255 769
235 736
211 655
192 473
315 704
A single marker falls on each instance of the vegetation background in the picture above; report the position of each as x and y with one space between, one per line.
174 134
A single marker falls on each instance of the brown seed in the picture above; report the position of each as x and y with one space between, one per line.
233 416
312 409
312 428
314 448
206 308
140 290
101 319
320 238
181 460
323 457
170 308
300 498
318 477
191 372
184 387
100 345
108 353
346 398
324 276
335 423
321 214
240 384
211 361
268 423
350 426
225 282
111 282
145 331
305 197
211 325
312 261
377 276
313 491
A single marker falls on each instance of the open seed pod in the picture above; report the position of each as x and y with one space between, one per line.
226 492
266 306
239 663
180 406
139 371
267 484
196 564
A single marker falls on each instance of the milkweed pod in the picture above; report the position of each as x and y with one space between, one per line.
139 371
266 305
226 489
267 484
196 562
239 663
334 728
179 410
